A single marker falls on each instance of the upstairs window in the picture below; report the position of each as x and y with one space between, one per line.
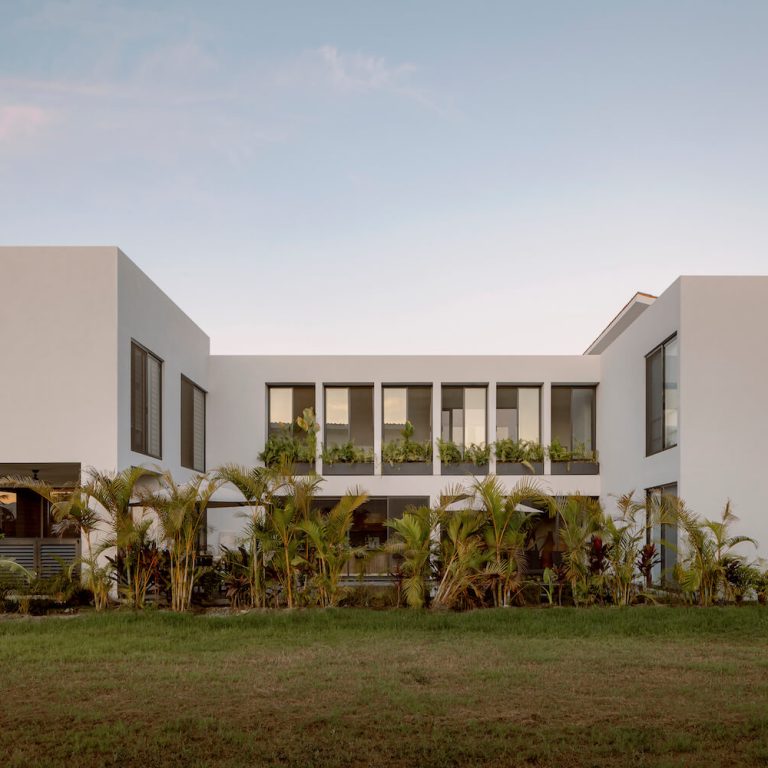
517 413
662 397
349 416
407 404
573 418
192 426
286 404
146 402
463 419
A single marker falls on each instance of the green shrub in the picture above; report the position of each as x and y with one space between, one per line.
346 453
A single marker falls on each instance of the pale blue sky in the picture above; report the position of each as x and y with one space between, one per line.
421 177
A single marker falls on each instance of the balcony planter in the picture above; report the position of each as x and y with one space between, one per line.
303 468
575 467
463 468
407 468
518 468
348 468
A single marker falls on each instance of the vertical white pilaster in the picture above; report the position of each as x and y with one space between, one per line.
378 405
490 424
436 408
546 421
320 411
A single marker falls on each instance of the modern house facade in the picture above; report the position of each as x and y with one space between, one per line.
104 370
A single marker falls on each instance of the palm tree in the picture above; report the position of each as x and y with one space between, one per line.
77 513
181 513
258 487
580 518
417 543
507 525
703 570
463 559
116 493
329 537
74 511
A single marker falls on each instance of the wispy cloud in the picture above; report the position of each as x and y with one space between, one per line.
359 72
364 73
21 120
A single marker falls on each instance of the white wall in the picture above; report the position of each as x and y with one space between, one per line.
724 399
621 404
238 408
58 330
148 316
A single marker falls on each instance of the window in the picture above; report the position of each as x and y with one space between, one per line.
349 416
146 401
517 413
286 404
662 397
192 426
662 534
413 404
463 415
573 418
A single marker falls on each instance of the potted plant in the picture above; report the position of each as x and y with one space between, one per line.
347 459
576 461
296 444
463 460
406 456
519 457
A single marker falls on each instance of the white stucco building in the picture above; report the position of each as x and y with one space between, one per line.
104 370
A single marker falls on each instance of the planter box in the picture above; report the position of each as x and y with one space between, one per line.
303 468
515 468
575 468
464 468
342 468
407 468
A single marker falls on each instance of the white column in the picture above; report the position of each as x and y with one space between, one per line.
436 407
490 421
377 428
546 421
320 411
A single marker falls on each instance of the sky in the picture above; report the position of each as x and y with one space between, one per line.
392 177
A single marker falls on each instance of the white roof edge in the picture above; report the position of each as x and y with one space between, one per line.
628 314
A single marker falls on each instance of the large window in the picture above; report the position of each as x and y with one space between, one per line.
286 404
573 418
661 532
192 426
407 404
517 413
349 416
463 419
662 397
146 402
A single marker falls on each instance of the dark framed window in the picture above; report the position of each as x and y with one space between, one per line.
349 416
286 403
403 404
662 396
463 415
574 417
518 413
192 425
664 534
146 401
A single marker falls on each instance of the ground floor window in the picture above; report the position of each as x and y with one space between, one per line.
663 534
371 533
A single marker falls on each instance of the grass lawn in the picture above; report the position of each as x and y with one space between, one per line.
639 687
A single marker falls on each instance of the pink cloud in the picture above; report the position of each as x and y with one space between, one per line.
19 120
